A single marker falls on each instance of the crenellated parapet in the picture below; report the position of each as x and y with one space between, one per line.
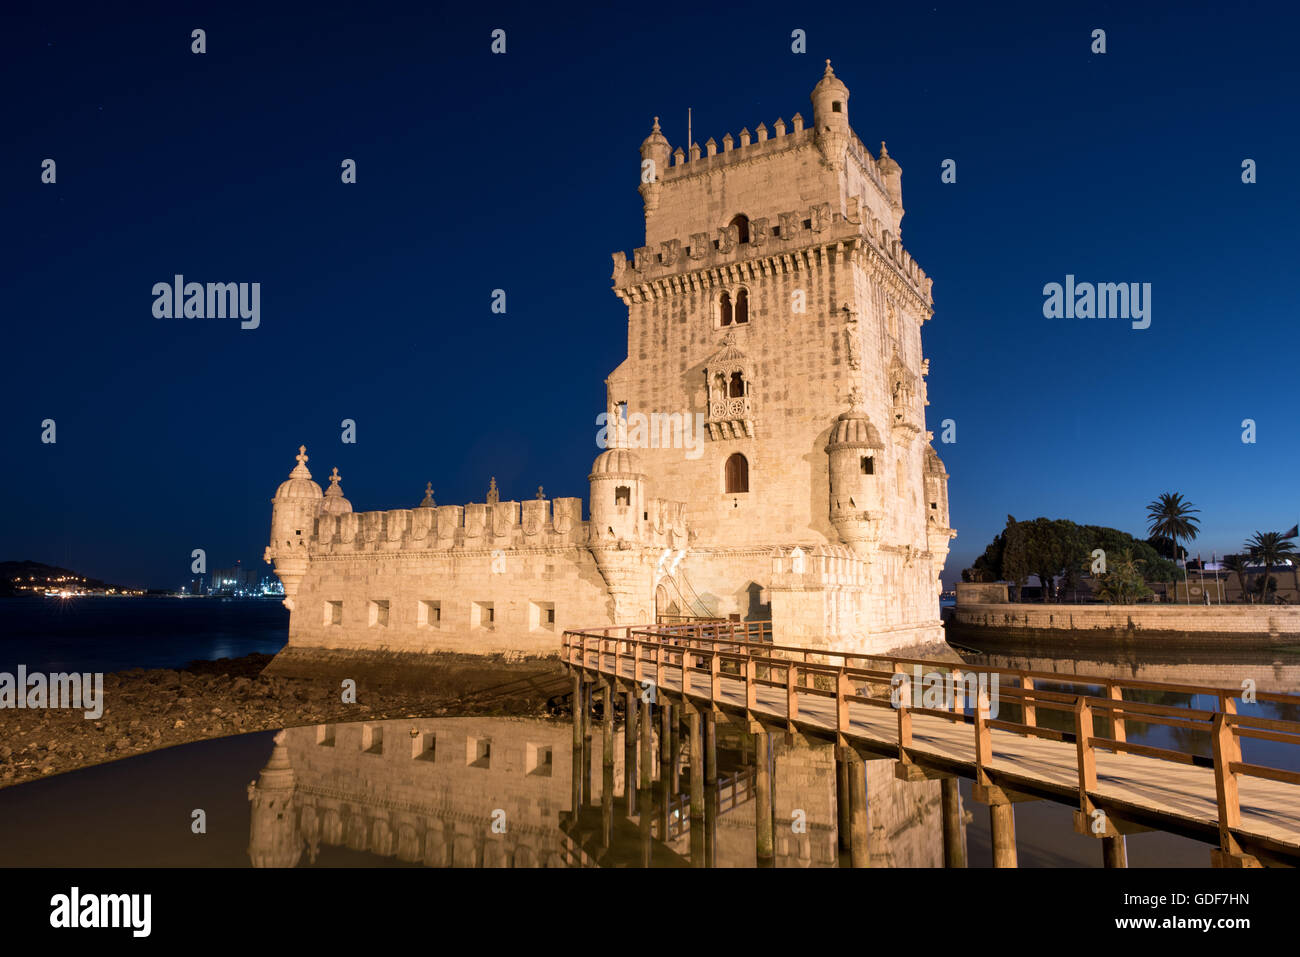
797 239
817 567
536 523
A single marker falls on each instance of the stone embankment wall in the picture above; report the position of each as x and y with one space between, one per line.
1255 626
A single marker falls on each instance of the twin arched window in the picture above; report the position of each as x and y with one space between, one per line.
733 311
736 474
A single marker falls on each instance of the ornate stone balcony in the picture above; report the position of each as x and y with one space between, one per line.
730 418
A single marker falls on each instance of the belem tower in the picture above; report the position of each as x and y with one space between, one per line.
771 302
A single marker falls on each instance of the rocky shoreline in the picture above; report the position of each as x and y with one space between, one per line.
145 710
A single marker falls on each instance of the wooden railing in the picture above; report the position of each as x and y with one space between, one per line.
707 651
733 790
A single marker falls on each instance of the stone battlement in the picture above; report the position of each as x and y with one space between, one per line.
537 523
769 243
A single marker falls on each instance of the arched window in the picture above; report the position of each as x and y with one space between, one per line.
724 309
737 474
741 222
742 305
737 389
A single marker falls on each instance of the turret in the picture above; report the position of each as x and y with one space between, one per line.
830 100
617 496
294 511
856 504
334 503
938 531
892 174
273 839
657 151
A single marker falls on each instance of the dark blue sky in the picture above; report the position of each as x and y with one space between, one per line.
519 172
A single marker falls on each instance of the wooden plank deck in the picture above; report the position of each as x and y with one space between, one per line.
1146 791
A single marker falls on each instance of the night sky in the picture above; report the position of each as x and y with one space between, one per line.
519 172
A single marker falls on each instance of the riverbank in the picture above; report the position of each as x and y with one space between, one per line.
145 710
991 625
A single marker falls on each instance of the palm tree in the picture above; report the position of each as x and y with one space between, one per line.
1237 565
1269 549
1170 516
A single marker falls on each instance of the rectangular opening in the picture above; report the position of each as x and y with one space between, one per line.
334 613
483 614
538 760
541 616
428 614
868 465
424 746
325 735
372 738
478 752
379 614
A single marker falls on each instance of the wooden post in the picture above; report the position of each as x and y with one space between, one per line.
1116 693
629 750
859 820
697 765
1002 822
954 850
587 688
1114 852
1227 751
647 750
607 767
710 749
1087 757
675 749
764 844
577 743
842 797
1031 712
791 695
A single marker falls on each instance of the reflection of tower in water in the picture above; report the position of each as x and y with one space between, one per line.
498 792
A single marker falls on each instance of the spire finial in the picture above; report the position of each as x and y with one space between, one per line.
493 496
334 476
655 128
829 71
540 494
428 496
300 470
884 153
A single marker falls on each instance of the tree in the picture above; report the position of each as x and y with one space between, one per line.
1122 583
1170 517
1237 565
1269 549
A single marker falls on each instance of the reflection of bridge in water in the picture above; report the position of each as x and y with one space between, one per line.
498 792
732 672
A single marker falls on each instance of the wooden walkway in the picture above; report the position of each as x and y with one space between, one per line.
1249 812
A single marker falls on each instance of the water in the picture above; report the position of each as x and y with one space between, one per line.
428 791
112 634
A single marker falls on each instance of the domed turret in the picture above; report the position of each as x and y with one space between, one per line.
853 451
892 174
938 531
334 503
273 839
294 511
617 495
830 99
655 153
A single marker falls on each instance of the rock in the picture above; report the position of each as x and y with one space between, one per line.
179 723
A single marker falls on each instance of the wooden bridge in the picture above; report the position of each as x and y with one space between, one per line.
944 720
